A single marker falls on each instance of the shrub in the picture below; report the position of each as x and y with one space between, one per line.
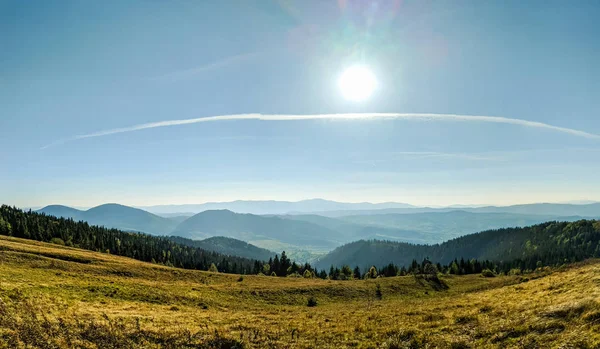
312 302
57 241
488 273
515 271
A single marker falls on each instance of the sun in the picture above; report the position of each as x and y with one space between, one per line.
357 83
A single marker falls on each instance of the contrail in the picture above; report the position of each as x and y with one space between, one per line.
346 116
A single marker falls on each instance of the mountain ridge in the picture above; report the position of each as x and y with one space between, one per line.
546 239
112 215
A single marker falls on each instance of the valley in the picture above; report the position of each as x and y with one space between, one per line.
309 237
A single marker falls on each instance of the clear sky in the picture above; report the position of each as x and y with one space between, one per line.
73 68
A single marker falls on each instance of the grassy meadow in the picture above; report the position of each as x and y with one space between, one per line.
53 296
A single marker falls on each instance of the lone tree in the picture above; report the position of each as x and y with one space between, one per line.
346 273
372 274
213 268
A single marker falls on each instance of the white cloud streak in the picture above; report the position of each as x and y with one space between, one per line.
346 116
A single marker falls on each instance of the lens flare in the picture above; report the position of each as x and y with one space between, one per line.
357 83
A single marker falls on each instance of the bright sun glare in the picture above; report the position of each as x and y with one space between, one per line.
357 83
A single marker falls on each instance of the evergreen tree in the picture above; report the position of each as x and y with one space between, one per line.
276 266
372 274
213 268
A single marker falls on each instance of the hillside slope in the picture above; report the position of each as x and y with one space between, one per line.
227 246
55 295
144 247
552 241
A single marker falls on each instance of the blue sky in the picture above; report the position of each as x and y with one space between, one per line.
71 68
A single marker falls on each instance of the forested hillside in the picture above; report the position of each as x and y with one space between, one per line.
227 246
550 243
66 231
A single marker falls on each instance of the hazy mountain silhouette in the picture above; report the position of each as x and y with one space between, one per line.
116 216
249 227
273 206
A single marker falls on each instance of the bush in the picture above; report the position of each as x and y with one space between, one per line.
57 241
312 302
515 271
488 273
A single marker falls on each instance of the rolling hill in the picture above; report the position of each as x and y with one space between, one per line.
61 297
311 233
227 246
554 241
259 230
116 216
356 230
62 211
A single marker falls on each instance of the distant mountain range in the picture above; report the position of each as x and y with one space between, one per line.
583 210
273 206
316 233
254 228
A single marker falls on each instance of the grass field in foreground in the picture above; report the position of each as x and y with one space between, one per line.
59 297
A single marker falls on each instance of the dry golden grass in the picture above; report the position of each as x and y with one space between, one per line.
55 296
